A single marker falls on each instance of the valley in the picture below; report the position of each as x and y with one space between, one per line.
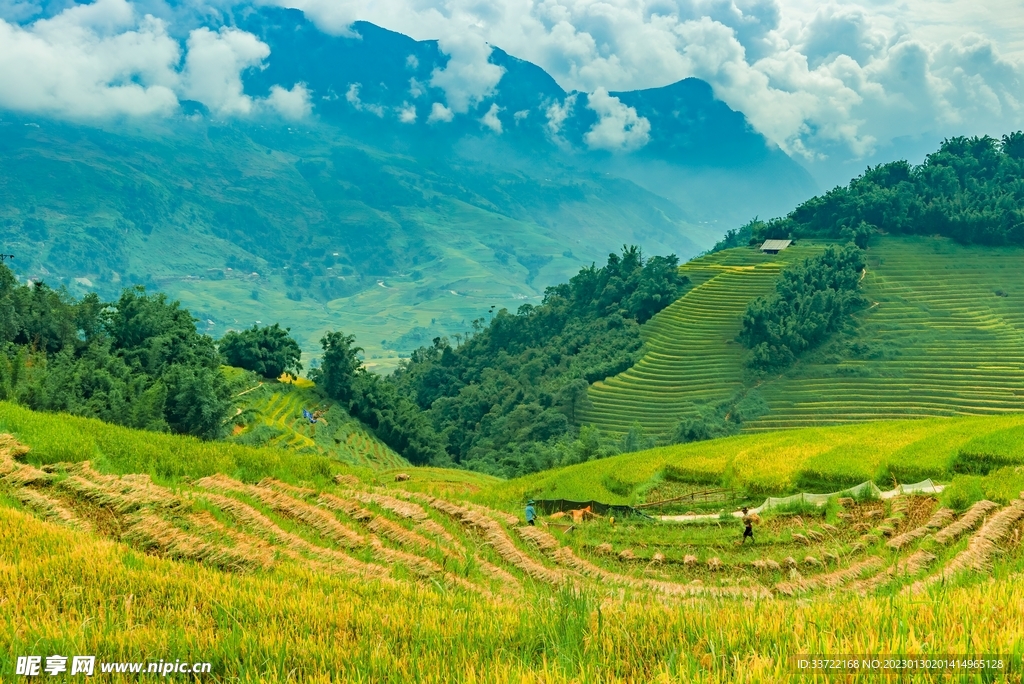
532 344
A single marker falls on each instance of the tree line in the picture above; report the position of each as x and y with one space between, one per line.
138 361
507 398
971 190
810 301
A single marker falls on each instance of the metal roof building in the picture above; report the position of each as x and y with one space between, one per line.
775 246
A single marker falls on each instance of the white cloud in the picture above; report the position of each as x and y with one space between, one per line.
836 30
407 113
558 113
438 112
468 77
213 68
841 78
491 120
291 104
618 127
352 96
16 11
104 59
521 115
89 61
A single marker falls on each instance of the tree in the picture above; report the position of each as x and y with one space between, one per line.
392 415
636 439
269 351
197 400
152 333
573 398
810 301
336 375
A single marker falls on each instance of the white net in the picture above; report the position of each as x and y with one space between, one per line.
865 490
922 487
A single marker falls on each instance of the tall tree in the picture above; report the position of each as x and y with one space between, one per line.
269 351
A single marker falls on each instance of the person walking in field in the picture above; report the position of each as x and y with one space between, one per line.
748 525
531 514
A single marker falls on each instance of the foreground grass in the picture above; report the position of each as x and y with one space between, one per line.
301 616
76 594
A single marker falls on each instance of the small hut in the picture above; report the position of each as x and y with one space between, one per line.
775 246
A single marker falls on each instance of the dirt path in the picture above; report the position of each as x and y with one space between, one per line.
251 389
697 516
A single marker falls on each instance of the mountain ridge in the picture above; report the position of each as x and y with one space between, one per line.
405 227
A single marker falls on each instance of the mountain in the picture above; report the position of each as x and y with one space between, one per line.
397 232
699 151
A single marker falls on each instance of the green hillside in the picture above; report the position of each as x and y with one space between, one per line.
270 414
942 336
307 226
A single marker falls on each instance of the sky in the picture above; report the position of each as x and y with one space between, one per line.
837 85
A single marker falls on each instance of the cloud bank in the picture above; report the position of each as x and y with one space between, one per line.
839 80
105 60
818 79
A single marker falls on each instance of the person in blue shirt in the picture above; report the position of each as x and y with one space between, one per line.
531 514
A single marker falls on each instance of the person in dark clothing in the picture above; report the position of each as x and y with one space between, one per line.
531 514
748 526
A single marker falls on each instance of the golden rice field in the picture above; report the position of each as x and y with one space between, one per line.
316 572
823 459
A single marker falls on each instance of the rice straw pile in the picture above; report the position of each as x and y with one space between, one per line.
971 519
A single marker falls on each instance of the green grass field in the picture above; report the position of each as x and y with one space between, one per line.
942 336
274 565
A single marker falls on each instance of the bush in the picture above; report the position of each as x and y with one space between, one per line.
269 351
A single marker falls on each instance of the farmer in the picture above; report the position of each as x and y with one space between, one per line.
531 514
748 526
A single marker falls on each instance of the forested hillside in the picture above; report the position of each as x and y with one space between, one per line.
137 361
508 397
971 190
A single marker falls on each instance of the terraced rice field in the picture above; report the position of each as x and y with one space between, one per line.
943 336
278 406
941 339
398 535
692 354
357 578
